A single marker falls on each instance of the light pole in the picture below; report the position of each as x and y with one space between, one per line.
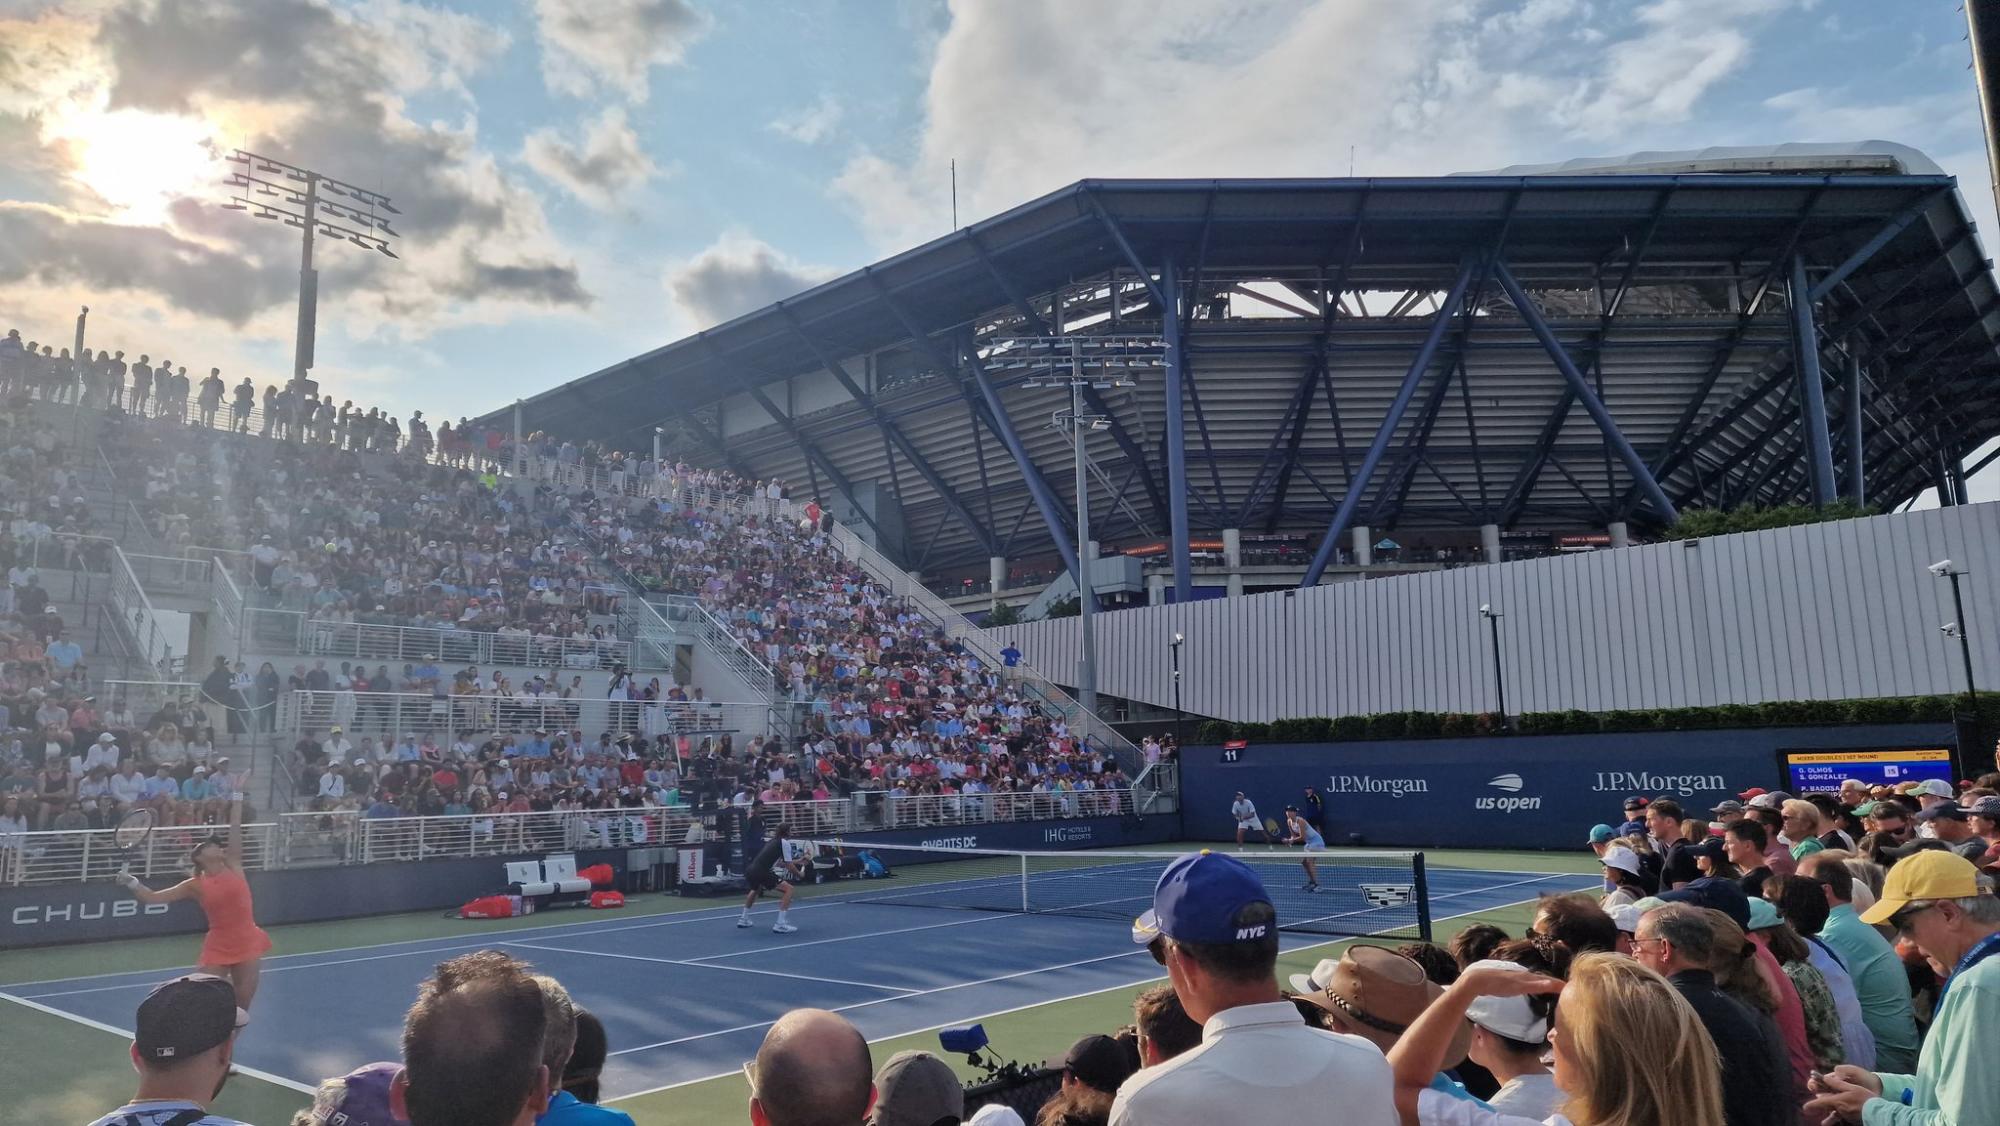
1179 715
1081 363
1946 569
1492 617
298 196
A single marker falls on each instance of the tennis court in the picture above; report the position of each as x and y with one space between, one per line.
687 995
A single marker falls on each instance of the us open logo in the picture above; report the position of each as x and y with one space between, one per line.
1507 784
1388 895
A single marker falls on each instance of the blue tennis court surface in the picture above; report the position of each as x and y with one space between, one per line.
687 996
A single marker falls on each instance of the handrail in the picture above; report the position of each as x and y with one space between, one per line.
721 640
350 836
323 637
58 856
137 615
391 714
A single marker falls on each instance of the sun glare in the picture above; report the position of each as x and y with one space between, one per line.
139 162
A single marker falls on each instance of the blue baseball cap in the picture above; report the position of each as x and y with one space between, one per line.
1632 827
1715 892
1198 899
1602 834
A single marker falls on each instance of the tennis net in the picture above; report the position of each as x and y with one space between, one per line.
1357 893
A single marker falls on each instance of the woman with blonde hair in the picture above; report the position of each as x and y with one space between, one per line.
1803 824
1629 1051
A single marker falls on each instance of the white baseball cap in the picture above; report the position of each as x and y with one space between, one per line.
1935 788
1621 858
1512 1017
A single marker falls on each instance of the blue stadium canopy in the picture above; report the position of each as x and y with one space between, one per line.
1549 348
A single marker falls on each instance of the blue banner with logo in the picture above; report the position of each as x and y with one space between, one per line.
1520 791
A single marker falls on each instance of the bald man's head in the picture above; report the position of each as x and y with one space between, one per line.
812 1070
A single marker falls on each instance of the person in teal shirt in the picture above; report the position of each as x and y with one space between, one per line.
1879 981
565 1034
196 788
1933 899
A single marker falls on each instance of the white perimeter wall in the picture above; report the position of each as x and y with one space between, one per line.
1835 610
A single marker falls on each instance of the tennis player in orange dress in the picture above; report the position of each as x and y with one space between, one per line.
235 946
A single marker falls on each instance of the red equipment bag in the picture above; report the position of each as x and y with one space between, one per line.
599 875
602 899
488 907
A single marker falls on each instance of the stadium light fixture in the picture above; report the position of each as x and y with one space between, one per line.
304 208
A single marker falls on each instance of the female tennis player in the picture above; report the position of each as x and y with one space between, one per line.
235 946
1299 831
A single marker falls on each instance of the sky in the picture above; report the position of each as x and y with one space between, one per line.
579 181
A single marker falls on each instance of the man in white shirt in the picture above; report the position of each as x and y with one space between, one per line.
1213 926
128 785
1245 812
102 753
332 785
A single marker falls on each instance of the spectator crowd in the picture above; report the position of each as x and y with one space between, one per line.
1760 976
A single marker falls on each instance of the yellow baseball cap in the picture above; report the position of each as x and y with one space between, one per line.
1931 874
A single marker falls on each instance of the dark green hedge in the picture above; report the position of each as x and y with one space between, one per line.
1777 713
1697 522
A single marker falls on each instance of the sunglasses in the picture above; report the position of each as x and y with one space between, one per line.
1158 949
1900 921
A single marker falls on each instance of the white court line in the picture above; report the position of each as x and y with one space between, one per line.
100 1026
882 1000
1023 1008
701 966
988 917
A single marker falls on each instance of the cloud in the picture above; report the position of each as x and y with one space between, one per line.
590 46
608 164
1020 93
734 275
811 125
295 79
46 246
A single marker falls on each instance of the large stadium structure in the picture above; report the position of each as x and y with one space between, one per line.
1564 349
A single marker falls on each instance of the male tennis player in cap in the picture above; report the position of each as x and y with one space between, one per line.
1213 926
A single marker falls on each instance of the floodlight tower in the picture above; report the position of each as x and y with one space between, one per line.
1080 363
275 190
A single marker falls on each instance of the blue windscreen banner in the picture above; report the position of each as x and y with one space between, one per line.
1822 770
1517 791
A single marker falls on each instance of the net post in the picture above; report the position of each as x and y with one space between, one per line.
1024 883
1423 893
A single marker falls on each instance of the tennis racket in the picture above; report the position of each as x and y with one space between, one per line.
130 835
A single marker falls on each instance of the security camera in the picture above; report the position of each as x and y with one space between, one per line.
1941 568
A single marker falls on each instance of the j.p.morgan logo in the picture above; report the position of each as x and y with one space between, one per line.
44 914
1640 782
1369 784
1506 784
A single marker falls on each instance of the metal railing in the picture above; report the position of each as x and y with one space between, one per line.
294 632
141 622
67 857
353 837
720 639
391 714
